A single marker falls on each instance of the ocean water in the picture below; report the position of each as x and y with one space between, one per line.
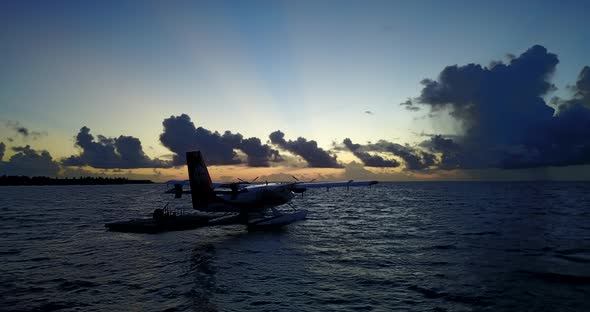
397 246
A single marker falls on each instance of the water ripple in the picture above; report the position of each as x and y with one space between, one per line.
405 246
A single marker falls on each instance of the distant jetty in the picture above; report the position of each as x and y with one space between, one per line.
24 180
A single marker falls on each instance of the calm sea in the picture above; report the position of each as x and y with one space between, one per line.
396 246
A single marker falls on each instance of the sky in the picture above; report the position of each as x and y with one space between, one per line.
422 90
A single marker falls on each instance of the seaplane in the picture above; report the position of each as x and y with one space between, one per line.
243 202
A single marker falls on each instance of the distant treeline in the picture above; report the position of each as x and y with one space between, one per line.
23 180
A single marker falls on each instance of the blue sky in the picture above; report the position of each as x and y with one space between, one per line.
307 68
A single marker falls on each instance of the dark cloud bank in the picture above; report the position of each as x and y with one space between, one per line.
27 161
368 159
106 153
413 158
23 131
501 108
506 122
180 135
316 157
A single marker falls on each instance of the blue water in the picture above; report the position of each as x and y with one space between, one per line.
400 246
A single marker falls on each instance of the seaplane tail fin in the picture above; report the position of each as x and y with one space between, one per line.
200 181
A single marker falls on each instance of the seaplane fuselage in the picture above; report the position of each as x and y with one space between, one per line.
232 197
252 198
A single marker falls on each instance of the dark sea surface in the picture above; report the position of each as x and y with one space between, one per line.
400 246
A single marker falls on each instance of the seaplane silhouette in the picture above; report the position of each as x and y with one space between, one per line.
249 203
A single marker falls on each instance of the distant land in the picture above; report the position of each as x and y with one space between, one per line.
24 180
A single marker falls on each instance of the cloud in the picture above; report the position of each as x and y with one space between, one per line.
409 105
449 150
2 150
21 130
561 141
582 87
368 159
357 171
180 135
414 159
30 162
483 98
308 150
581 93
505 120
258 154
121 152
430 135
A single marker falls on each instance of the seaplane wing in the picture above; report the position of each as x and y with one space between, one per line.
305 185
181 182
234 189
334 184
187 182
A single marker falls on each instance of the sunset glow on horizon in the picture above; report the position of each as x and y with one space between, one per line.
463 91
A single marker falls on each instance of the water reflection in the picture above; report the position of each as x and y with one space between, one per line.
406 246
203 272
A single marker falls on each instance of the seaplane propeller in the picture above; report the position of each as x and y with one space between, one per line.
299 190
247 182
236 186
177 190
299 181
